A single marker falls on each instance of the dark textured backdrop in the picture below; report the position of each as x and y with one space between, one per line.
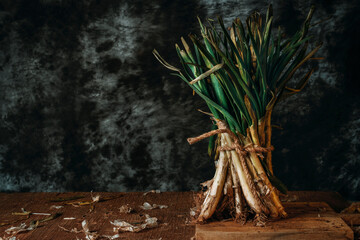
84 105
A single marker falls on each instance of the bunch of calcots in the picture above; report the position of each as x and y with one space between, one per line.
242 72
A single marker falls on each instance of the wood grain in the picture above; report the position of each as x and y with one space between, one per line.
307 220
173 220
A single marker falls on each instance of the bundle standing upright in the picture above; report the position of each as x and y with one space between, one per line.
242 73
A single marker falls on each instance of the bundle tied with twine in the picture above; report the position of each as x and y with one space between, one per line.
242 73
243 152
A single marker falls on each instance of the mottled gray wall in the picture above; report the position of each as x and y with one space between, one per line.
84 105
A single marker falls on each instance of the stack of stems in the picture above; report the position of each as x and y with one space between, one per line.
242 73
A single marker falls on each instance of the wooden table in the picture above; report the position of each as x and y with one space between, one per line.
173 221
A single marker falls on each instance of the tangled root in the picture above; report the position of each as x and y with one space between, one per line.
260 220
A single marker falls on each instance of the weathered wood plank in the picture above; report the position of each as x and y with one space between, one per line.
294 229
308 220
